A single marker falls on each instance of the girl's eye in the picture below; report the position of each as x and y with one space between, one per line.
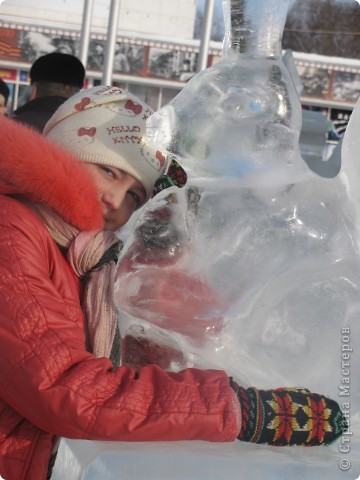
108 171
135 197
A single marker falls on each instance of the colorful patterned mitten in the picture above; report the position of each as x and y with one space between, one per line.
288 416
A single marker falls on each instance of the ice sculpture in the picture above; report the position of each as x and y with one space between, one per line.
242 115
234 127
253 266
337 364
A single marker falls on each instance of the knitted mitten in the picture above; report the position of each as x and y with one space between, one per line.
288 416
175 175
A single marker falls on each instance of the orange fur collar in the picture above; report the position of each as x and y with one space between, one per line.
43 172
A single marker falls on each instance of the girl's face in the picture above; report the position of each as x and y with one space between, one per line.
119 192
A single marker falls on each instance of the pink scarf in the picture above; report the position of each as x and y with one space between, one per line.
84 251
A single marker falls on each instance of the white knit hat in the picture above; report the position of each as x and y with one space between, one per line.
107 125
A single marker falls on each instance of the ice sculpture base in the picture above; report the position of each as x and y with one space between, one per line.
85 460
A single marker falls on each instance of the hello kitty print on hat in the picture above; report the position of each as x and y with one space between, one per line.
107 125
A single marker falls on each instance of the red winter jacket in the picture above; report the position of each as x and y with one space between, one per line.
49 384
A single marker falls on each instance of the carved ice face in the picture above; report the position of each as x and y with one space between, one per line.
232 118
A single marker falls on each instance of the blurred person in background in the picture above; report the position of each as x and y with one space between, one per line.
4 96
54 77
121 63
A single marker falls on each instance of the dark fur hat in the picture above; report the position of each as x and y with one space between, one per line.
60 68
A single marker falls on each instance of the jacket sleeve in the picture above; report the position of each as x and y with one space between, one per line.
48 377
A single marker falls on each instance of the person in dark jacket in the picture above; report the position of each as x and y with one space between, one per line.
55 77
60 375
4 95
